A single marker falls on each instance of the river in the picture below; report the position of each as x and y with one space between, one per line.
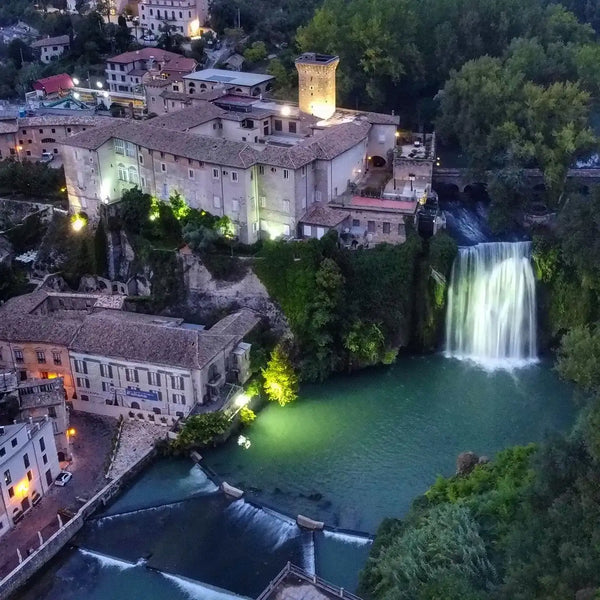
350 452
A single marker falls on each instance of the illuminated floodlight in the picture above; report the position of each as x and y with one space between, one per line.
286 111
242 400
75 81
98 84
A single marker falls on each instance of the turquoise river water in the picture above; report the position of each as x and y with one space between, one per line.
350 452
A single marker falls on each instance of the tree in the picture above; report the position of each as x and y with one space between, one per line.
280 379
197 51
19 52
201 430
134 209
579 357
365 343
256 53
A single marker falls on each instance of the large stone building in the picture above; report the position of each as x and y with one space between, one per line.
115 362
272 167
185 17
28 468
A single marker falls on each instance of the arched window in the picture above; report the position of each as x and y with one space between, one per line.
133 175
192 87
122 172
135 405
202 86
48 141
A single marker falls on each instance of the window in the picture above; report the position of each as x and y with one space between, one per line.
286 206
2 451
234 176
303 171
83 382
11 491
176 382
215 173
41 357
45 459
261 169
191 173
286 230
80 366
255 226
85 398
263 201
386 227
29 475
141 159
371 226
54 131
56 357
235 205
119 146
292 127
106 371
163 167
44 374
153 378
286 174
131 375
19 356
355 222
307 230
49 477
133 175
178 399
13 442
122 172
106 385
7 477
278 125
216 201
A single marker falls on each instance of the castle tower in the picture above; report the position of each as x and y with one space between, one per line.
316 83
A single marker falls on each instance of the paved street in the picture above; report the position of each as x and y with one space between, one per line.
90 449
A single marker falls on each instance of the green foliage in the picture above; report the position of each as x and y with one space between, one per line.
179 206
364 342
579 357
201 430
31 179
134 210
247 415
443 545
101 250
280 380
13 282
256 53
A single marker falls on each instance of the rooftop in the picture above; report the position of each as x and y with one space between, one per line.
60 40
320 214
229 77
316 58
54 83
170 60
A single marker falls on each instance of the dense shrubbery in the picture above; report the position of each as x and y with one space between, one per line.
200 430
32 179
349 309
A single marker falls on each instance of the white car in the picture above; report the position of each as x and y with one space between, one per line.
63 478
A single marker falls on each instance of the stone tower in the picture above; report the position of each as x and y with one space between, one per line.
316 83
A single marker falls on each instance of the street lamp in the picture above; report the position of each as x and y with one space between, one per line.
99 84
75 81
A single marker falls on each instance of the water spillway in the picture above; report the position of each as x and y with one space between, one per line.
491 317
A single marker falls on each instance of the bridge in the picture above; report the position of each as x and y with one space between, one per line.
462 179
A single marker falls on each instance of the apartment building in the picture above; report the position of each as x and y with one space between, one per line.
124 73
185 17
115 362
51 48
28 468
247 84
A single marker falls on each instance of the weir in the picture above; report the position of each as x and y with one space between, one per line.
491 317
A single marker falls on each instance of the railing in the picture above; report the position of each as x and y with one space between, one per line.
321 584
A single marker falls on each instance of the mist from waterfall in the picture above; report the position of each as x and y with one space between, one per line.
491 316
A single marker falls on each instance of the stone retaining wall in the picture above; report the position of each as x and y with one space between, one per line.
54 544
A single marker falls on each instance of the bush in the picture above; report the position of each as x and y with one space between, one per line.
247 415
200 431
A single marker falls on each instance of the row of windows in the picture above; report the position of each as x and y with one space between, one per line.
128 174
372 226
124 148
24 131
40 355
175 399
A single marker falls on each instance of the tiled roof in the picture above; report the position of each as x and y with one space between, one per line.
187 118
320 214
172 61
60 40
54 84
324 145
237 324
47 120
8 126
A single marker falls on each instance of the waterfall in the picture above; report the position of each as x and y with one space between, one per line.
491 317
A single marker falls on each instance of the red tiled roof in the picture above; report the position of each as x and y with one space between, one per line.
54 84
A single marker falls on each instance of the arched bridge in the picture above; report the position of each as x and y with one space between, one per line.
462 179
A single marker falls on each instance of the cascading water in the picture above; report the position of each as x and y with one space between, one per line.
491 317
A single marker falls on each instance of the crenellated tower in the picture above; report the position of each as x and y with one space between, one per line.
316 83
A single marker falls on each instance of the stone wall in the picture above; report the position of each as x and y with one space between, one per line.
53 545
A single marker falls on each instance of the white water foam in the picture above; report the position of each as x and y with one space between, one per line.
197 481
279 528
491 316
201 591
347 538
108 518
108 561
308 554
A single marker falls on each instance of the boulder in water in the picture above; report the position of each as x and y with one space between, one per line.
466 462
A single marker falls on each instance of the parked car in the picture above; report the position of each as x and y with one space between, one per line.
63 478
